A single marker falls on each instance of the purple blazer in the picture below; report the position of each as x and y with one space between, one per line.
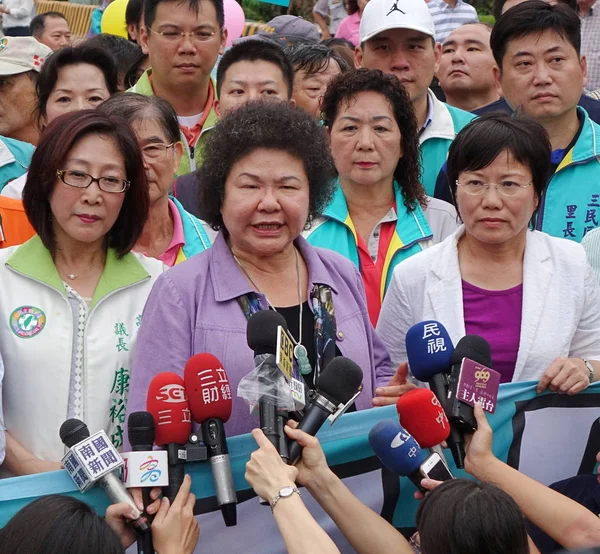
193 308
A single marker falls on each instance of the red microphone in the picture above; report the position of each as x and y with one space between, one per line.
422 415
209 393
208 388
167 402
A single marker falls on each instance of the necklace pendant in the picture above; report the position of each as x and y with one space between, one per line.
71 276
302 358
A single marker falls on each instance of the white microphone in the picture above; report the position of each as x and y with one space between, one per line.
94 460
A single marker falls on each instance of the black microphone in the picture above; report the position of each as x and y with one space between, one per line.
261 335
72 432
474 348
140 430
337 388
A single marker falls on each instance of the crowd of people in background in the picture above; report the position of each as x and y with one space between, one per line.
393 162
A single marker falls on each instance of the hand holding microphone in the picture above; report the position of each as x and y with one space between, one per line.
337 388
93 460
266 472
174 529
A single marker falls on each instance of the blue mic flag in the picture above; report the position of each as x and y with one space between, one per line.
396 447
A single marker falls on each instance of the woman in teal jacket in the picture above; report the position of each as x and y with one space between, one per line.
171 234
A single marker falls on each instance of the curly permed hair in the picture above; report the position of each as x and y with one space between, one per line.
344 88
271 125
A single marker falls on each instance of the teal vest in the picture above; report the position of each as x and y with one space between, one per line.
570 206
196 238
434 150
336 232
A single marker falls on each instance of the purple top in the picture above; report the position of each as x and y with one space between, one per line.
193 308
495 315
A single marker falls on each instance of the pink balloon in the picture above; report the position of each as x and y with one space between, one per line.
234 20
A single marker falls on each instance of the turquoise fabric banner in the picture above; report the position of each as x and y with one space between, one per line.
549 437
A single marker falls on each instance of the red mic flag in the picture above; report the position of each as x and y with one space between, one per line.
422 415
168 403
208 388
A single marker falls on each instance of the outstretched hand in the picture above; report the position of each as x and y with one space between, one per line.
397 386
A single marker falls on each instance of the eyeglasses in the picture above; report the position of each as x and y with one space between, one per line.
82 180
195 36
506 188
156 152
415 543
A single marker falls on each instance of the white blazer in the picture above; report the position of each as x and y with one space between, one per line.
561 302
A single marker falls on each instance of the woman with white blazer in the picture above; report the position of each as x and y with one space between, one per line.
533 297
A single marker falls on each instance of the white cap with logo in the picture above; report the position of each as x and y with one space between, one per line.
382 15
21 54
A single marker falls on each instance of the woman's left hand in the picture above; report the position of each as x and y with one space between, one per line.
117 516
397 386
266 472
565 376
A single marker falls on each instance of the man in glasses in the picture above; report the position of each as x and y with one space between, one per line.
183 40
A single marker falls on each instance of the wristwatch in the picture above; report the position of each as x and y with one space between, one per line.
284 492
590 369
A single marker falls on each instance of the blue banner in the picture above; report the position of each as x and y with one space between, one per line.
549 437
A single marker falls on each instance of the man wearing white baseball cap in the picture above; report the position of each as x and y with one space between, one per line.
398 37
21 59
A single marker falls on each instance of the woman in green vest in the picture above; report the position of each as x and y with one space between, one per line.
380 214
171 234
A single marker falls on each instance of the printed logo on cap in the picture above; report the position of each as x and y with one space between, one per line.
27 321
395 8
3 44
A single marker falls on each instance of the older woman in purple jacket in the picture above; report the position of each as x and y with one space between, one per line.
266 174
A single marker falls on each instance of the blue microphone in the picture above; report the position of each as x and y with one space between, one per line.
398 450
429 350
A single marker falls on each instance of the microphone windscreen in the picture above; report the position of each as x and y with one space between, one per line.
261 332
398 451
208 388
73 431
170 409
475 348
340 380
422 415
140 429
428 349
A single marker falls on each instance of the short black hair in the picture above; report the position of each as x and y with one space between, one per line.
499 5
57 140
124 51
313 58
134 12
72 55
263 124
134 107
194 5
134 71
58 524
334 41
483 139
346 87
38 23
534 16
252 51
465 517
